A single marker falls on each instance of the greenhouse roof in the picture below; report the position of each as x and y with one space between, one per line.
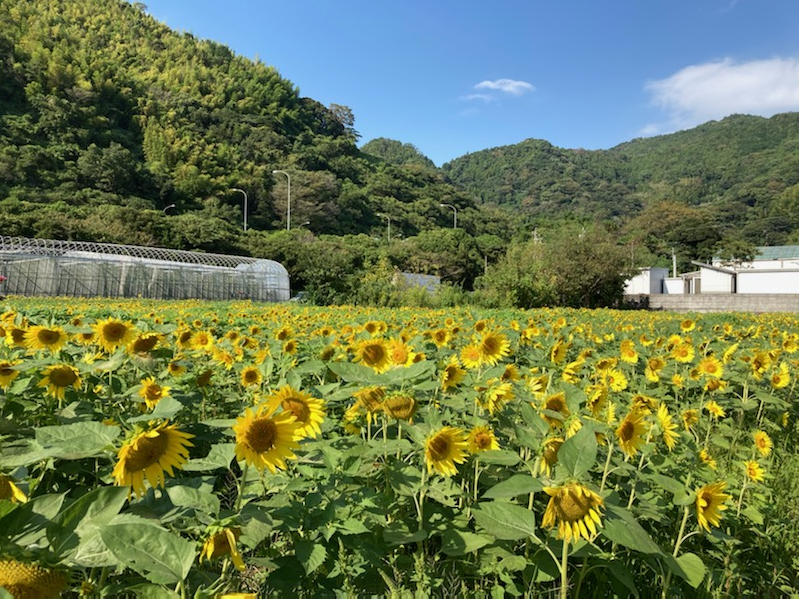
54 247
777 252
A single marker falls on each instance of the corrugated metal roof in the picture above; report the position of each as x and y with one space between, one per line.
777 252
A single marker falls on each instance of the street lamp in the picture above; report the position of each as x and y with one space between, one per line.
388 218
288 202
245 204
455 215
168 207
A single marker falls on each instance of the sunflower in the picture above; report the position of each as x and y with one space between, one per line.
112 333
58 377
373 353
176 367
631 432
15 336
763 443
399 353
597 399
445 448
265 439
667 427
753 471
627 352
202 341
482 438
222 543
440 337
148 454
707 459
30 581
710 366
144 343
653 367
400 405
555 403
471 356
558 352
549 455
151 392
615 379
50 338
781 377
308 411
251 376
687 325
290 347
452 374
715 410
571 372
689 418
493 347
683 352
575 510
8 373
204 378
710 503
9 491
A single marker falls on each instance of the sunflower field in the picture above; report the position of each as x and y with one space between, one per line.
188 449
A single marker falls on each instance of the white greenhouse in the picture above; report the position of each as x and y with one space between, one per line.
78 268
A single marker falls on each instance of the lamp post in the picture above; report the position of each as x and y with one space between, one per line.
388 219
245 204
168 207
454 216
288 201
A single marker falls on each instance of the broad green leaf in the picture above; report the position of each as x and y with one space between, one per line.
505 521
356 373
689 567
622 575
27 524
93 509
456 542
78 440
220 456
160 556
419 370
164 410
672 485
620 526
578 453
518 484
351 526
397 533
500 457
201 499
310 554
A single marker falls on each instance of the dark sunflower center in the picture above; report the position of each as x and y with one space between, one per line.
261 435
48 336
490 345
297 407
153 392
6 370
145 344
482 440
148 451
439 447
373 354
62 377
251 376
114 331
5 488
627 431
573 507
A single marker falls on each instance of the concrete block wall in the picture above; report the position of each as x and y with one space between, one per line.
726 302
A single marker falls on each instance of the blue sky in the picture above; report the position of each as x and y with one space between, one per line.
453 77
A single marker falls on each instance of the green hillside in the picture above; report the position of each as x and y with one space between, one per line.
742 172
107 117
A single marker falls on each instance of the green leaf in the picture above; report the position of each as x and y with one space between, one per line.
689 567
620 526
202 499
95 508
157 554
310 554
505 521
500 457
456 542
164 410
518 484
79 440
578 453
27 524
419 370
397 533
220 456
356 373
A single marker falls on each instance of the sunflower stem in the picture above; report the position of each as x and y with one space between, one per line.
242 484
605 472
564 576
421 498
677 542
741 498
476 477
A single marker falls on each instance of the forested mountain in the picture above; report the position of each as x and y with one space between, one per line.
108 117
396 152
738 176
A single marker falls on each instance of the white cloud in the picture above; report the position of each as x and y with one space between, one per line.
713 90
508 86
483 97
